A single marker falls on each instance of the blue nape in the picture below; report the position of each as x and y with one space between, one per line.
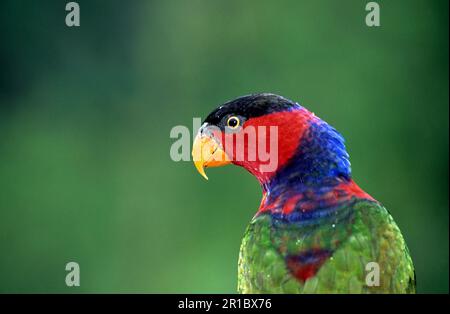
320 163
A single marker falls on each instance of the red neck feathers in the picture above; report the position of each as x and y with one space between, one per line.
300 161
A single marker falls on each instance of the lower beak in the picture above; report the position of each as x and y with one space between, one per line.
207 152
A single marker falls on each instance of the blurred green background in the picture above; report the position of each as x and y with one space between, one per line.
85 116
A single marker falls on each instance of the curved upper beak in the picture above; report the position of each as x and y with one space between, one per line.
208 152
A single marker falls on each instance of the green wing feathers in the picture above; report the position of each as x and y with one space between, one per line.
328 255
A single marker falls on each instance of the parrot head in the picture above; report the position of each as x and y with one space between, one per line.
273 138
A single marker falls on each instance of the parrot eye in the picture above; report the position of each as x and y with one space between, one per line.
233 122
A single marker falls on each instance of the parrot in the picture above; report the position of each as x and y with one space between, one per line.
315 231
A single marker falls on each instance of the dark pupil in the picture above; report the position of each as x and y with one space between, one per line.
233 122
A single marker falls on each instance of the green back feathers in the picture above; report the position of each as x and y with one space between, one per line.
328 255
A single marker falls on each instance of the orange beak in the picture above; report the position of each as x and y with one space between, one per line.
208 152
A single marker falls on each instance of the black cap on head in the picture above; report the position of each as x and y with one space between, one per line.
251 106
